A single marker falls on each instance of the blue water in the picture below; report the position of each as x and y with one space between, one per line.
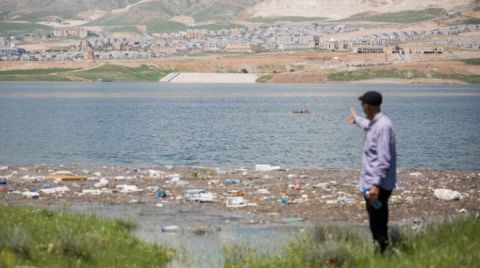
436 126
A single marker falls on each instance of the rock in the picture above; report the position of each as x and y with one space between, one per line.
446 194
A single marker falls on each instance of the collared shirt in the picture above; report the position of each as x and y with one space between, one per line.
379 159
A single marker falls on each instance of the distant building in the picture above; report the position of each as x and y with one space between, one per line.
239 48
70 32
197 35
369 49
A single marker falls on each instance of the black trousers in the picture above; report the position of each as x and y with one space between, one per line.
378 219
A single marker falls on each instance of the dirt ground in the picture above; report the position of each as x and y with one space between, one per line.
310 194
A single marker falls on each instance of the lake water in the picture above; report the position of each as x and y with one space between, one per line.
437 126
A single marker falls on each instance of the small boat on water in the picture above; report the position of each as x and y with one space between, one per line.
302 111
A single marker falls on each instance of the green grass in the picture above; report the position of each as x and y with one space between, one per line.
42 238
471 79
128 29
217 26
264 78
410 16
365 74
165 26
453 243
219 11
107 71
13 28
52 74
472 61
471 21
287 18
122 73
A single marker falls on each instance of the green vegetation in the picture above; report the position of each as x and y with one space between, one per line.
264 78
52 74
471 21
287 18
471 79
165 26
122 73
128 29
371 74
410 16
107 71
453 243
42 238
13 28
472 61
217 26
219 11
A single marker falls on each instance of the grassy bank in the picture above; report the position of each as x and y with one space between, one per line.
41 238
453 243
409 16
365 74
51 74
122 73
107 71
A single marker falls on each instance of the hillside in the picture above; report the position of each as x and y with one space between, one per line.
174 15
346 8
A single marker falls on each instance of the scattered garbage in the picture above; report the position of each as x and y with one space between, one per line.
102 183
125 188
66 176
4 168
157 174
200 195
91 191
446 194
3 181
170 228
236 202
265 168
284 200
415 174
262 191
232 181
31 194
293 219
161 193
55 190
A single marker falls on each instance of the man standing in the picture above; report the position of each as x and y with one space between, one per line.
378 170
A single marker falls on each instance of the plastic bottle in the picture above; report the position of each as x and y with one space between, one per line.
377 204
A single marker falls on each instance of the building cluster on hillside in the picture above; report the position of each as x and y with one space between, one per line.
104 45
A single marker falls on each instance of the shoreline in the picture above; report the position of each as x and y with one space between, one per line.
311 195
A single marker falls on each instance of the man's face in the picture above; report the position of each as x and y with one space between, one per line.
365 107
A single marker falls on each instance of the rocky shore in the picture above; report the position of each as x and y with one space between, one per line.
263 194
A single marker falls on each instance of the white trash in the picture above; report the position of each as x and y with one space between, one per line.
157 174
91 191
265 168
446 194
262 191
236 202
102 183
55 190
416 174
29 194
125 188
170 228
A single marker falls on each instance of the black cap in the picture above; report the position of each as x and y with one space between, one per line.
372 98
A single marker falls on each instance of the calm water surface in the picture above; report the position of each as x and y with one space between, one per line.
437 126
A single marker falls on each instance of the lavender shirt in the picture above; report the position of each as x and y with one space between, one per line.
379 159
